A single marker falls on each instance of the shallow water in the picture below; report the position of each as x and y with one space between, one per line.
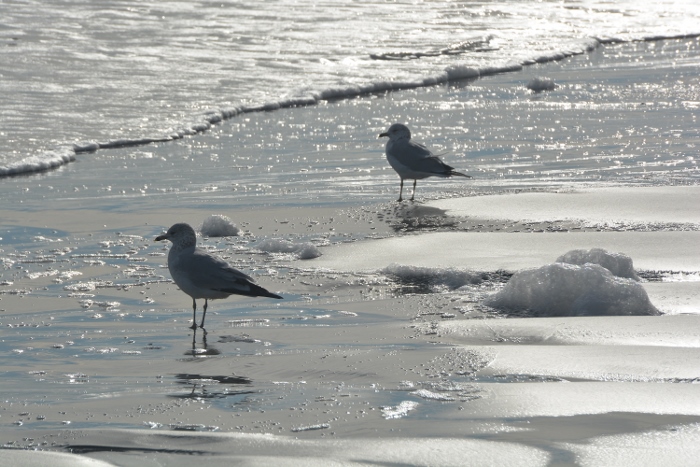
493 128
73 73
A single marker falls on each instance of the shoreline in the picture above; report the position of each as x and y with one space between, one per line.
205 121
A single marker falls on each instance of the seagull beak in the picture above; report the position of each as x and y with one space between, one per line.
384 134
161 237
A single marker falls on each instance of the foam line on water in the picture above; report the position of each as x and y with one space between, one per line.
201 123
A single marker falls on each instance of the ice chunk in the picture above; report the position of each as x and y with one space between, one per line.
617 263
219 226
561 289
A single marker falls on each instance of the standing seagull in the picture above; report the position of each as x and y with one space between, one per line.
201 275
412 160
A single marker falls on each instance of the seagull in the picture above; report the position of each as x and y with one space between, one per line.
202 275
412 160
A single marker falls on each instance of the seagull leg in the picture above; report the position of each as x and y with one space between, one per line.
205 313
194 314
401 191
414 189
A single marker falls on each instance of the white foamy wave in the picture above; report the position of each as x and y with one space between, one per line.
39 163
561 289
304 250
322 65
218 225
204 122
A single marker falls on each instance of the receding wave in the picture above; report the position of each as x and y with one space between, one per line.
39 163
203 122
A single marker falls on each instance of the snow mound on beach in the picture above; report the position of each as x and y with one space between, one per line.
218 225
304 250
562 289
618 264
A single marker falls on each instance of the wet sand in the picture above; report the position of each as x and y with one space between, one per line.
349 356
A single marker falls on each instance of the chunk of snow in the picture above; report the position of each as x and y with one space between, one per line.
218 225
304 250
561 289
617 263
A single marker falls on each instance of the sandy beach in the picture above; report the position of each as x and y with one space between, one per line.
360 361
378 355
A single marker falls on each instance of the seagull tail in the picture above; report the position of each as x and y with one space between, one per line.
249 289
459 174
257 291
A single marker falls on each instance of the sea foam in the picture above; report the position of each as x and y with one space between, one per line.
218 225
618 264
303 250
45 161
562 289
541 84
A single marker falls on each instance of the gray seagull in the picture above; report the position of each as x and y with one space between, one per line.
202 275
413 160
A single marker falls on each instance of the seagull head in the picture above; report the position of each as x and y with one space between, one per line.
397 131
181 234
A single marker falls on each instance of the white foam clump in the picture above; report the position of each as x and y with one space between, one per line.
219 226
562 289
398 411
304 250
541 84
618 264
319 426
453 278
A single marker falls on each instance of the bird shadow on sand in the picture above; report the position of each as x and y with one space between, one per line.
414 217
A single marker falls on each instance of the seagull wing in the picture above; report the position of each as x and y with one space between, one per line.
432 165
420 159
415 151
209 272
